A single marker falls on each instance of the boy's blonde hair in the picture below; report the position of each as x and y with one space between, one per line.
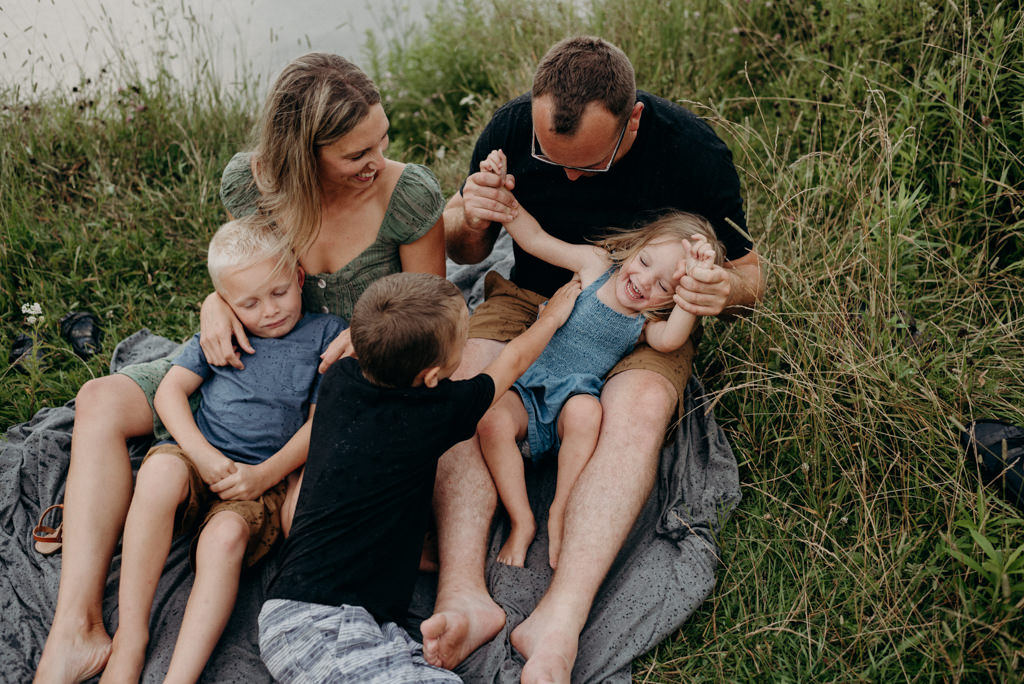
405 323
245 241
623 245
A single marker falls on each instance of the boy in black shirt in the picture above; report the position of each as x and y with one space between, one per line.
348 567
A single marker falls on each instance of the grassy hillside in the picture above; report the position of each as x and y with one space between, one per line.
879 147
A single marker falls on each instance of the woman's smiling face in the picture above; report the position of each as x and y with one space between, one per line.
356 159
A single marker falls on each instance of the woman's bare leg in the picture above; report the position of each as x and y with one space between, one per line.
108 411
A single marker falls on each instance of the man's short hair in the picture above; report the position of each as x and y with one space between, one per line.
578 71
243 242
405 323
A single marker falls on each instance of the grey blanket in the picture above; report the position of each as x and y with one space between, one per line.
664 573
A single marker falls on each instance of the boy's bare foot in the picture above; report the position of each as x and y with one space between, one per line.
513 552
72 656
556 523
127 658
458 627
549 649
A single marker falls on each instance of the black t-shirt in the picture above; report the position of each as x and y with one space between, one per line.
676 162
364 504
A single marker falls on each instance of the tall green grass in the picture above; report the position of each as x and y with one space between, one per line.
879 146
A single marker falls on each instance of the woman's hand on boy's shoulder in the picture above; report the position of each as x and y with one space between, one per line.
339 348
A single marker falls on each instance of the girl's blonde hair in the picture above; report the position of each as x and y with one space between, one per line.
316 100
623 245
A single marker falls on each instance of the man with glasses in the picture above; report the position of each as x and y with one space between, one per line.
586 152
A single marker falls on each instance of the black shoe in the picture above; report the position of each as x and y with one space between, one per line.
21 350
998 450
82 330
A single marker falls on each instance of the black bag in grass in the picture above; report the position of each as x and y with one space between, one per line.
998 449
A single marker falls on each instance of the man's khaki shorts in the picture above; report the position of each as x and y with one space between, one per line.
508 310
263 515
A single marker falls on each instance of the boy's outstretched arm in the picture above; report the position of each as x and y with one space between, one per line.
250 481
518 354
171 404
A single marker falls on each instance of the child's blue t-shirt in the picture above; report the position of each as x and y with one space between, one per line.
250 414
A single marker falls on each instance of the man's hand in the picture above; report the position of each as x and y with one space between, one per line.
487 196
245 484
340 347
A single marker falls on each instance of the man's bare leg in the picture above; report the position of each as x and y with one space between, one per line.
607 498
108 411
465 616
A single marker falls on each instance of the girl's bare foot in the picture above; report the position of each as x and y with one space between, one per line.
513 552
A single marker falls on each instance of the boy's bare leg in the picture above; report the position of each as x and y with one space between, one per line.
501 427
108 411
465 616
161 485
219 556
602 508
579 424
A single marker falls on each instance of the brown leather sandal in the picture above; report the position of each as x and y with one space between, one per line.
49 539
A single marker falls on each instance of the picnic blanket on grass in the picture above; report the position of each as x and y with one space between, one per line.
666 569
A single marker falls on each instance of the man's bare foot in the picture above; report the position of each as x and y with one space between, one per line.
513 552
127 658
549 649
73 656
459 627
556 523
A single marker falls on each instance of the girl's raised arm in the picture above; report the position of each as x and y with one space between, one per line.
530 236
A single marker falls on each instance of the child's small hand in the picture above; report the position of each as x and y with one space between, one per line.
213 466
560 304
495 163
245 484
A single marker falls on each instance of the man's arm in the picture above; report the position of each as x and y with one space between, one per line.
518 354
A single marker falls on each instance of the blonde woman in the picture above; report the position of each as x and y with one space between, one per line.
317 168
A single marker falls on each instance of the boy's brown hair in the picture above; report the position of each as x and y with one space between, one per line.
405 323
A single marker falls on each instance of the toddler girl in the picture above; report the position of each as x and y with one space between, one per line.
629 281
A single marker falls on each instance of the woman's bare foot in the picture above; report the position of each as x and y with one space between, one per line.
458 627
127 658
72 656
549 648
513 552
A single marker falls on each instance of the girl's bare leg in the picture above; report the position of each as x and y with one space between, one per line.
161 486
579 424
219 557
108 411
499 429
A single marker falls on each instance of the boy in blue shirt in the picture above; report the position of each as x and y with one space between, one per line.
224 472
336 610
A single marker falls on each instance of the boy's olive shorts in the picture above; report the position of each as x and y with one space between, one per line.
508 310
263 515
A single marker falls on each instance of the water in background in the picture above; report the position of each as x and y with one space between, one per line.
58 45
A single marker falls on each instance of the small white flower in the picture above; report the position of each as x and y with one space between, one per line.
467 100
31 320
805 466
33 309
844 520
441 151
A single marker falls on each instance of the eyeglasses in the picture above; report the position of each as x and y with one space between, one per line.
541 157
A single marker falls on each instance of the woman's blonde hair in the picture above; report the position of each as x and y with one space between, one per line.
316 100
623 245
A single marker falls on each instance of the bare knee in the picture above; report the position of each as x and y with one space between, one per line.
581 414
496 427
226 535
162 477
114 406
